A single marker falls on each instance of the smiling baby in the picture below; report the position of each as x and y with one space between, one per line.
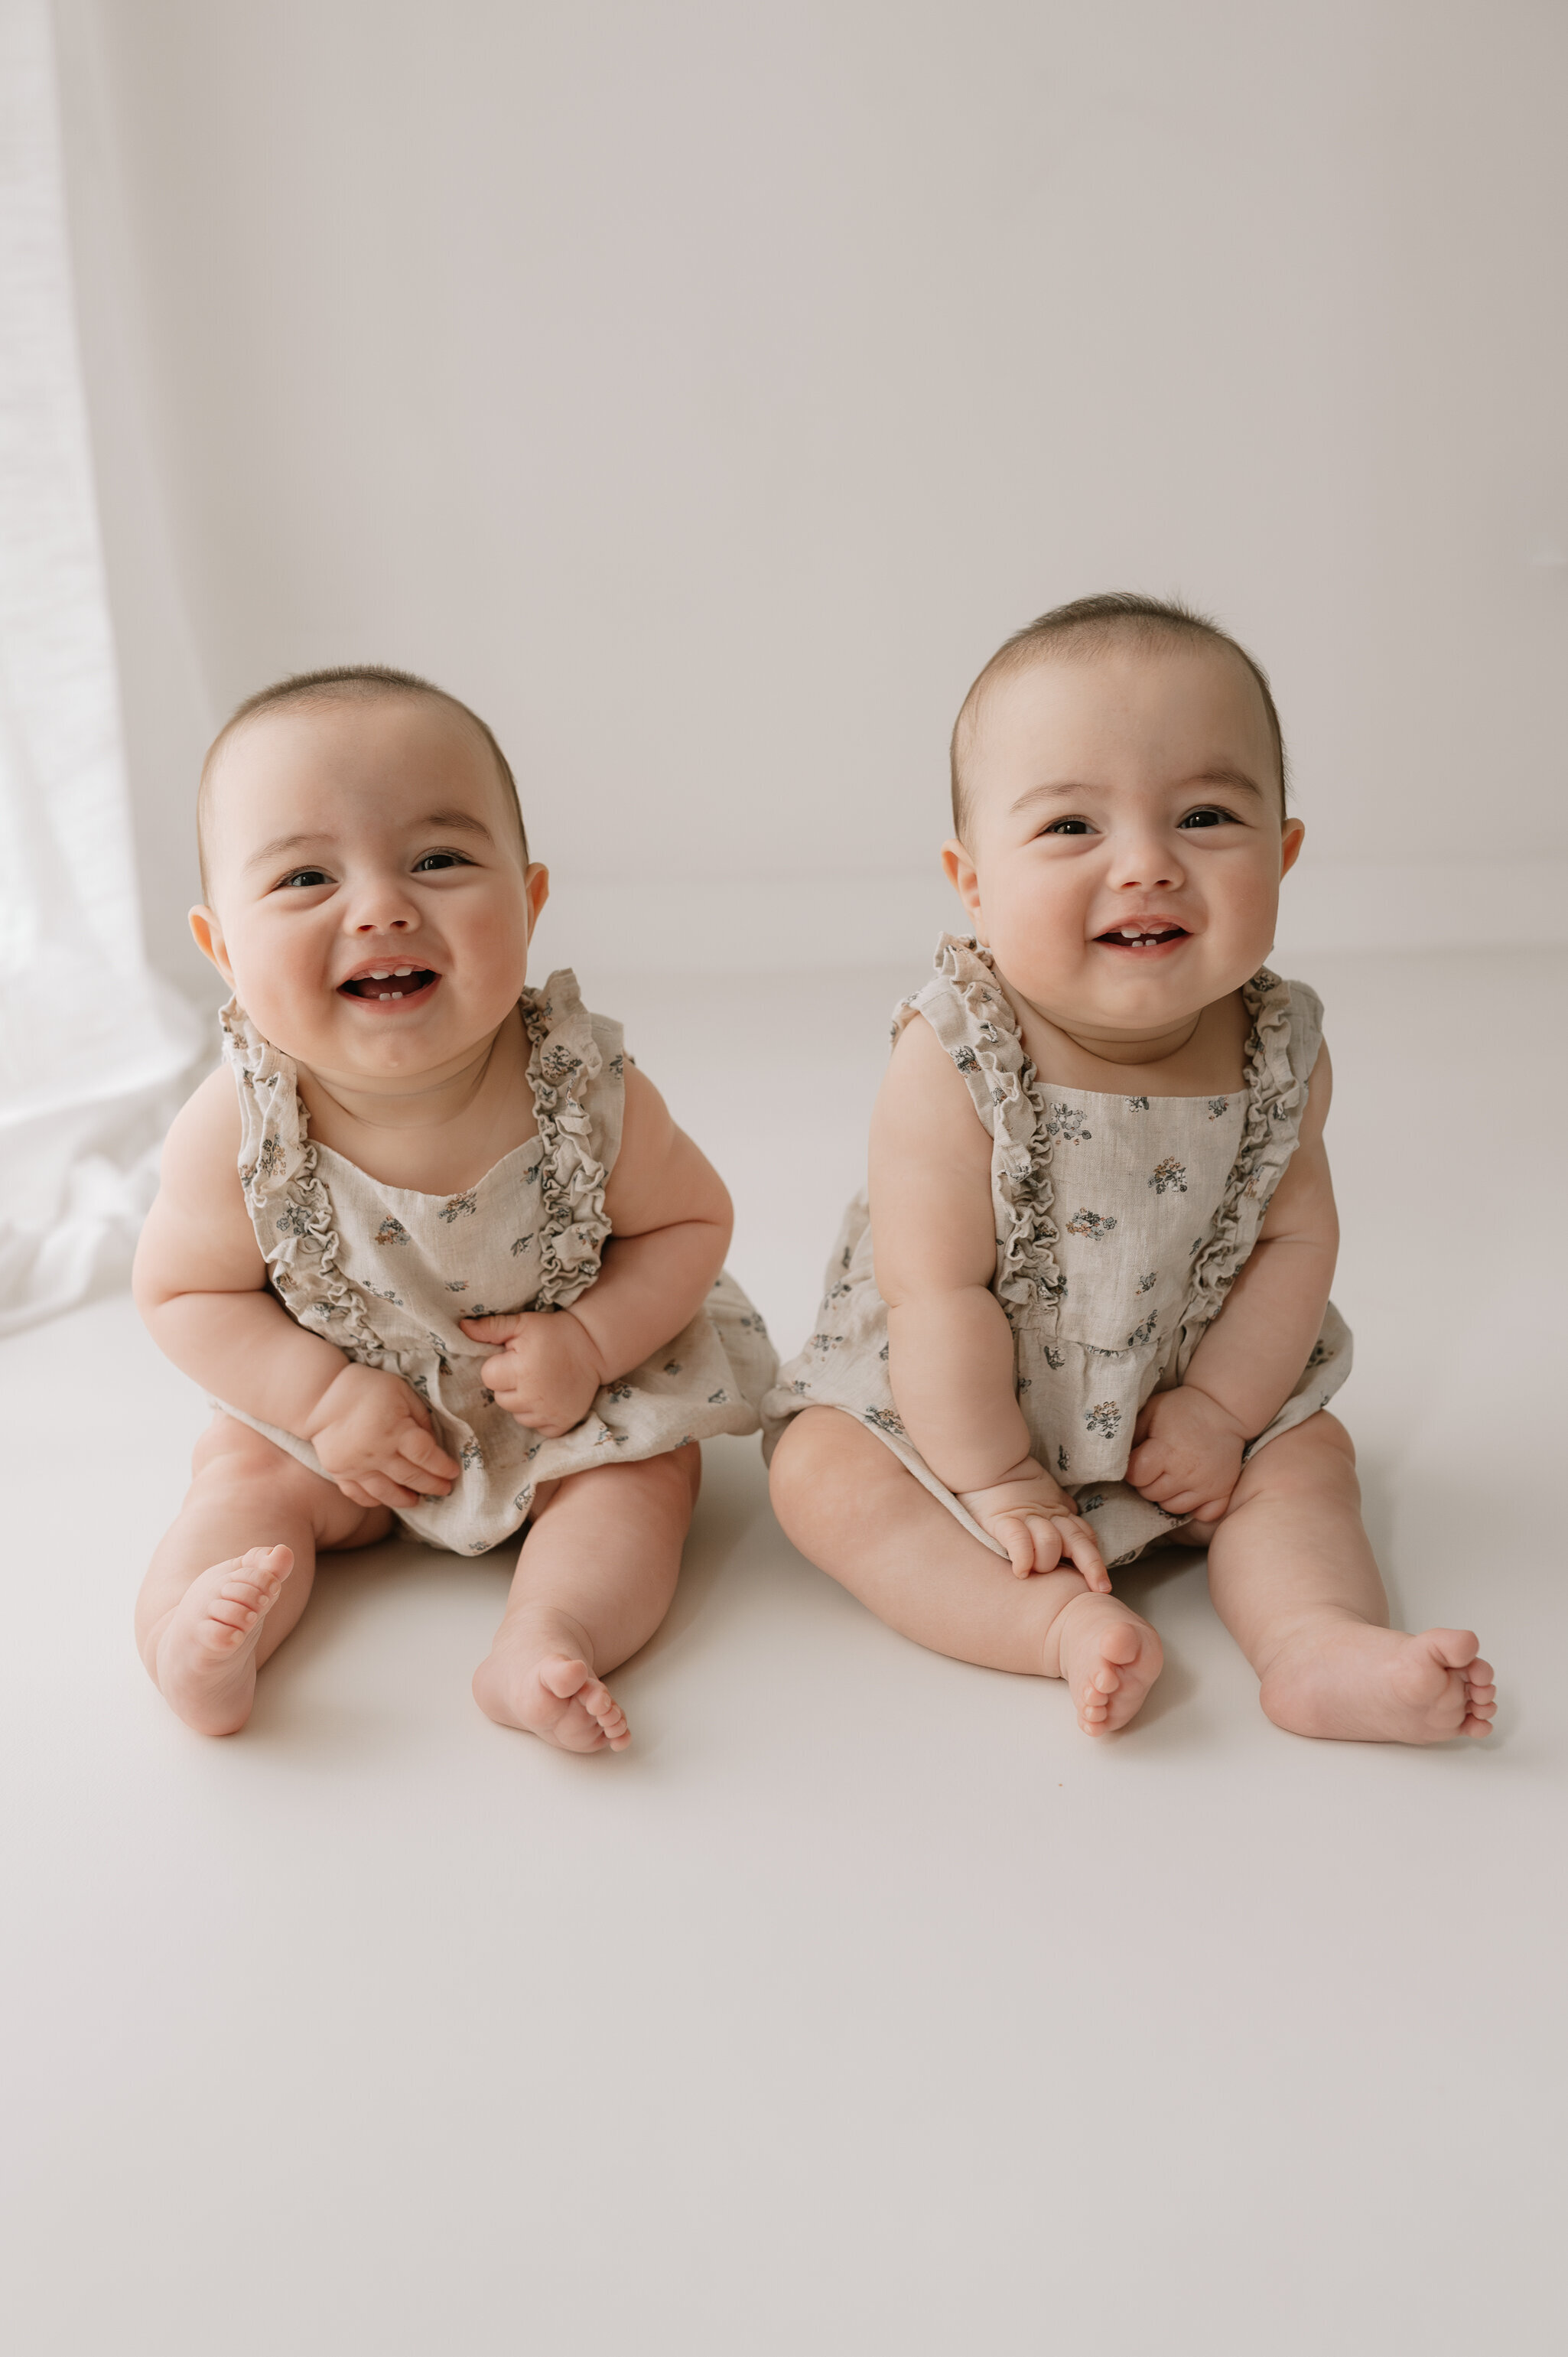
1083 1305
429 1239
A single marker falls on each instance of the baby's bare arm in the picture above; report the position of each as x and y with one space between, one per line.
1189 1441
670 1220
1250 1360
200 1281
200 1278
950 1358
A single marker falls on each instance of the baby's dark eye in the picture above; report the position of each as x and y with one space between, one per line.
303 878
1209 815
437 859
1069 826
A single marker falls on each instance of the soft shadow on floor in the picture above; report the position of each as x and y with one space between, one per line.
348 1681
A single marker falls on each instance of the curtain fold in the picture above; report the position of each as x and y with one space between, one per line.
95 1048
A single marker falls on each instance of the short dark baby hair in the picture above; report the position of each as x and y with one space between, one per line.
342 683
1089 625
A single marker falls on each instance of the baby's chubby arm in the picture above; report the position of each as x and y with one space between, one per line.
670 1220
1189 1440
200 1286
950 1345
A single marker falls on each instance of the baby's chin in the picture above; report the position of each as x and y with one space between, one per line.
370 1039
1113 990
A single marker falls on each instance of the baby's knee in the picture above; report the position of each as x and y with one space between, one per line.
1313 1458
233 1457
676 1476
820 1473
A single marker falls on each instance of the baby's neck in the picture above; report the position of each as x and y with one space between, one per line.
1199 1054
437 1131
416 1101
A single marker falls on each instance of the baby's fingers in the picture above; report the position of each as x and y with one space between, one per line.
402 1465
1015 1535
382 1490
1083 1548
422 1448
501 1328
499 1376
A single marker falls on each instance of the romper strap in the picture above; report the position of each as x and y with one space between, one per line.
971 1013
577 1071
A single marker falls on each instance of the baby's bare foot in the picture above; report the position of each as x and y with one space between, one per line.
1110 1659
550 1694
205 1659
1348 1680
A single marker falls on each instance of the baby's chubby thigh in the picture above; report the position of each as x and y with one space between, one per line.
856 1510
237 1471
619 1493
1292 1541
1307 1471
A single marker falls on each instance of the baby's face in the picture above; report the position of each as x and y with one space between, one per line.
1125 837
370 903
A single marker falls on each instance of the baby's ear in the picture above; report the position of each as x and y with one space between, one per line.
1294 835
958 870
208 935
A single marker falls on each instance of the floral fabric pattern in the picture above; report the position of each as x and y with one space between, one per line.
528 1237
1108 1305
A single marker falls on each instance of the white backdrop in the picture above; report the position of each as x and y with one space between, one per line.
702 391
94 1049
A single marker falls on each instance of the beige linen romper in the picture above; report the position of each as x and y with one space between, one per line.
385 1273
1120 1223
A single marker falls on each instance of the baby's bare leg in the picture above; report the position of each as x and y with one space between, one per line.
593 1582
853 1510
232 1576
1294 1580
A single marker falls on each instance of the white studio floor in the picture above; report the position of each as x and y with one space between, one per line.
862 2005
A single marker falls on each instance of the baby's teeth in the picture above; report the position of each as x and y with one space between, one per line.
401 970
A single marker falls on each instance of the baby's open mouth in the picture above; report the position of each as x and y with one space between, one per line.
1141 937
390 982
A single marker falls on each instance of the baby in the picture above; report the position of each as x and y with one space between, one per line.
1084 1304
383 1236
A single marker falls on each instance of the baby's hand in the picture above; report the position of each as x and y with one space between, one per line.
1036 1522
1187 1455
374 1438
548 1373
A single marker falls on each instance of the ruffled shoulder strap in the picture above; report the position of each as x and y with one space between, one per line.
290 1208
1306 1038
576 1071
971 1013
1287 1031
271 1119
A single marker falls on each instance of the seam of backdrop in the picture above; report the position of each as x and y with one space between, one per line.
762 924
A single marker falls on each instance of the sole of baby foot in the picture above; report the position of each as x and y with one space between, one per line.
1110 1659
206 1658
555 1695
1353 1682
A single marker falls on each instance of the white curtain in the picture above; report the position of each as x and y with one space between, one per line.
93 1048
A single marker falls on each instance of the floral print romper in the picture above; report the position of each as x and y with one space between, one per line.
385 1273
1120 1223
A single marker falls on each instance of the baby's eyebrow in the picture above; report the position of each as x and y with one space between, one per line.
1216 774
448 819
1220 774
454 818
279 845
